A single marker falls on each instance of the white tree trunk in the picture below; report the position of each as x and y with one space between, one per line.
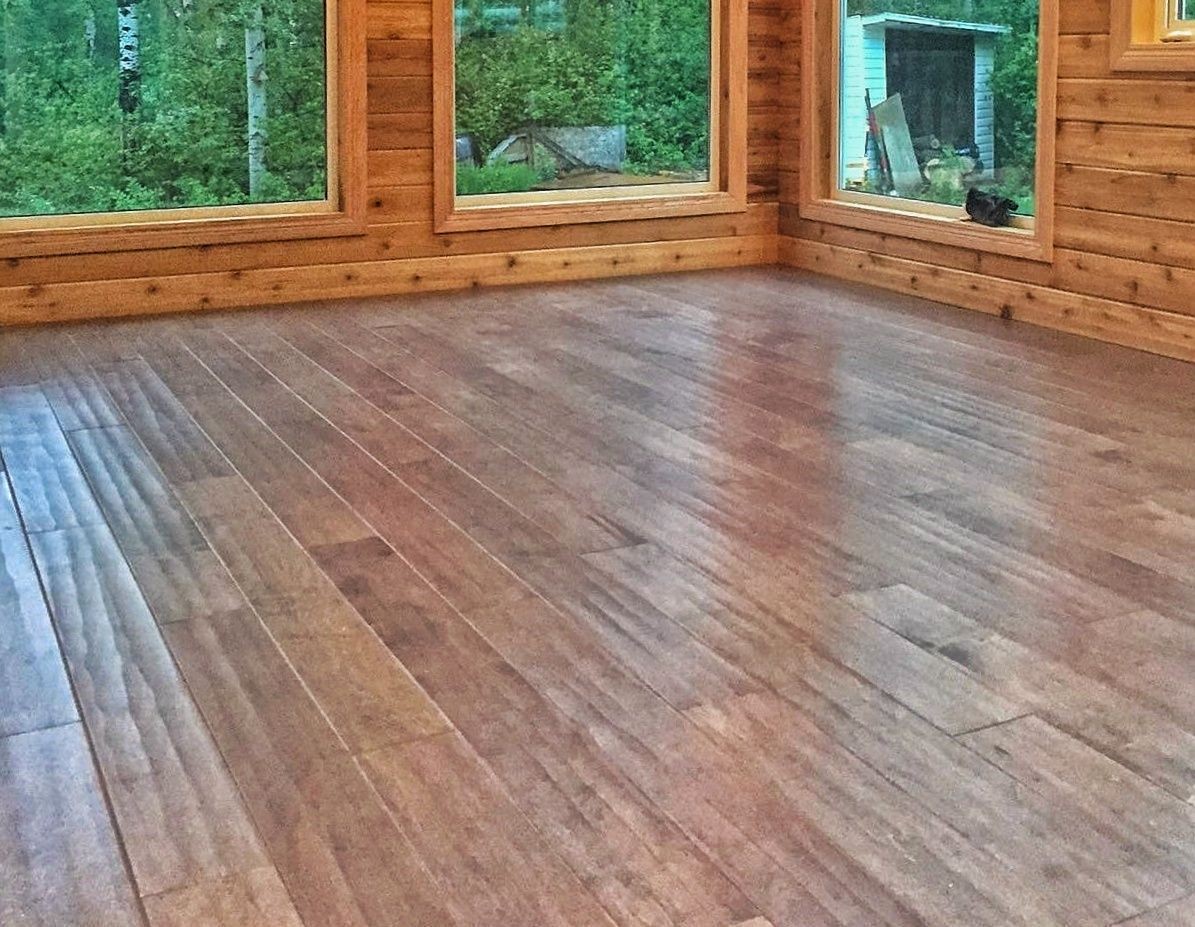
128 31
255 74
89 34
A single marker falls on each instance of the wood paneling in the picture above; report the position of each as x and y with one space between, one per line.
1124 262
394 254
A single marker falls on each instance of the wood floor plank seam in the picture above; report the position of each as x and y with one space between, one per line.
394 475
201 358
298 679
356 761
144 899
93 757
279 329
901 639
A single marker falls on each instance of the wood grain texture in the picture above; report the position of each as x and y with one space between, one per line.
34 692
59 858
733 599
1122 268
397 250
176 806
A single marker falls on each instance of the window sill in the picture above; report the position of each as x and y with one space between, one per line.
1167 57
138 234
502 213
1030 244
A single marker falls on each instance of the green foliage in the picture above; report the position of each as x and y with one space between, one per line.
1014 85
642 63
186 144
529 77
494 178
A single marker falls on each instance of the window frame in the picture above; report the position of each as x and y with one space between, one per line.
342 213
821 200
724 192
1137 38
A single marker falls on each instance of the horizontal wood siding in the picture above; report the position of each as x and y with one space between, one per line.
400 251
1124 267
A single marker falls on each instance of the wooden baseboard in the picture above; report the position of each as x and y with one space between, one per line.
1158 331
60 302
1161 332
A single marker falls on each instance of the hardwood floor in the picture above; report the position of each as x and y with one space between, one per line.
733 599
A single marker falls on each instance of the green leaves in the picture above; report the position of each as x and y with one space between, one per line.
65 147
642 63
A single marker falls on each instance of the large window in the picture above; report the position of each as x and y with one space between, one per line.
136 112
1180 21
567 102
934 106
913 106
1153 35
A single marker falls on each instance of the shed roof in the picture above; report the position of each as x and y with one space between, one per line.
927 24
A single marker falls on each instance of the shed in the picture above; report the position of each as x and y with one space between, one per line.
941 68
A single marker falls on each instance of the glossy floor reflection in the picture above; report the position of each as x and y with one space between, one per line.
732 598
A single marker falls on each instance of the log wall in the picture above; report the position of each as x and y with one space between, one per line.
1124 267
400 253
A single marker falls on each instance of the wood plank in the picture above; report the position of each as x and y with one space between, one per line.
178 811
272 285
368 696
1179 913
496 869
34 692
60 862
843 542
49 489
252 899
338 852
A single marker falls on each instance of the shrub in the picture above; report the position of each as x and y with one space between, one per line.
494 178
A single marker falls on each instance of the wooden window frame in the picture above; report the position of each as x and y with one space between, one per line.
820 200
341 214
725 192
1138 37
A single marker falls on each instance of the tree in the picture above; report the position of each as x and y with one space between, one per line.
128 28
255 81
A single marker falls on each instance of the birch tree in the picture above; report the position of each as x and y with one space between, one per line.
255 78
128 30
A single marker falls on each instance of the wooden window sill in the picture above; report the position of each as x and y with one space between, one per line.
1161 56
1031 243
501 213
189 230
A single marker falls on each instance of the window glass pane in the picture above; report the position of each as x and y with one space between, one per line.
576 94
939 97
114 105
1185 10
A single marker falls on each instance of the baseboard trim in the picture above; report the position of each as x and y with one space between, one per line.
1155 330
61 302
1158 331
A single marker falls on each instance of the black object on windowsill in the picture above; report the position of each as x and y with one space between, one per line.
990 209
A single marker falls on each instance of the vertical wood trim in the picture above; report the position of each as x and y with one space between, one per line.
1046 169
443 110
732 90
347 86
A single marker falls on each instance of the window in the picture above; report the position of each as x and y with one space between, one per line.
1153 35
174 119
584 110
1180 21
917 103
